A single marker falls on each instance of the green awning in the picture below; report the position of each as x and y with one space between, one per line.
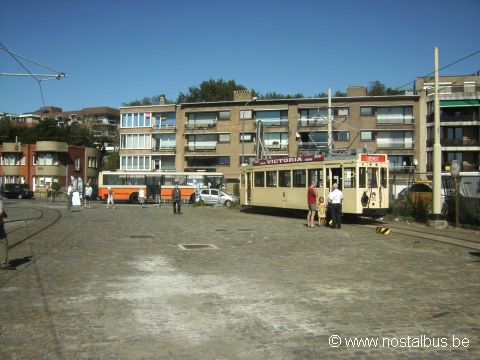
465 102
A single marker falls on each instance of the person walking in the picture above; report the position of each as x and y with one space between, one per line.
110 196
141 196
4 263
88 196
335 199
312 204
177 200
69 196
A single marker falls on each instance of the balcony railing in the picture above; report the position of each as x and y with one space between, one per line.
454 142
302 122
274 123
201 124
275 146
164 148
394 120
463 167
312 145
403 145
453 118
401 169
164 126
200 147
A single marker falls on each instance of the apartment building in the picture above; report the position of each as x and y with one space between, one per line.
41 164
216 136
459 121
103 121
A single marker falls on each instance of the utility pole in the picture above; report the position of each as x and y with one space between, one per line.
437 219
329 122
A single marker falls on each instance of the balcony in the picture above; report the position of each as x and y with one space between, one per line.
312 145
201 147
453 118
164 149
274 123
51 146
394 120
11 170
454 142
402 145
401 169
311 122
275 146
205 124
12 147
465 166
164 126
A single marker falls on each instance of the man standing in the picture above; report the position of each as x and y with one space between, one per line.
69 196
335 199
177 200
312 204
4 264
88 195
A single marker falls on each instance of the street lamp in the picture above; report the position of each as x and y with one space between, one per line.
243 127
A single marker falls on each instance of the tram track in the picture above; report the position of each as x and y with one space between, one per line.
448 239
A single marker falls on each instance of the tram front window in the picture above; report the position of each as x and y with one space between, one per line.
372 177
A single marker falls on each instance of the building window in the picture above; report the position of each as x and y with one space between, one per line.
395 115
367 111
77 164
224 138
367 135
341 135
92 162
135 141
246 114
135 163
46 159
224 115
135 120
247 137
469 87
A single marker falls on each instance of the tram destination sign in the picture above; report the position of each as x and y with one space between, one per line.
372 158
289 160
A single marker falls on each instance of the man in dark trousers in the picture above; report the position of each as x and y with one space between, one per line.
177 200
335 199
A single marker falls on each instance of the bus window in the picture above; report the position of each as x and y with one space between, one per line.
299 178
383 177
284 178
271 179
349 178
362 182
111 179
372 177
259 177
317 176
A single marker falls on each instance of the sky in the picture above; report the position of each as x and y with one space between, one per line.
116 51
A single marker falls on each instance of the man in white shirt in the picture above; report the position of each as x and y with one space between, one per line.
335 199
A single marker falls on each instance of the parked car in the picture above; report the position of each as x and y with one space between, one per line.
17 191
216 197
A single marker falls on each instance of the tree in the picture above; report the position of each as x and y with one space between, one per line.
376 88
112 162
210 90
274 95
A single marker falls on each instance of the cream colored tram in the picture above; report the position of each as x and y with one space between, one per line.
283 182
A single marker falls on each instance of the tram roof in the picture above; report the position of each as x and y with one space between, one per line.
321 157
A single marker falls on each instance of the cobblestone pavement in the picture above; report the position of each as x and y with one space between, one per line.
114 284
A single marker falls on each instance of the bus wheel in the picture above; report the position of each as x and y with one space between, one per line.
133 199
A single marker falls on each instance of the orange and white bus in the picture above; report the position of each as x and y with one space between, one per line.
125 184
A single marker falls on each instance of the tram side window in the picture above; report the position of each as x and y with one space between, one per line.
284 177
259 179
299 178
317 176
372 177
383 177
349 178
271 179
362 180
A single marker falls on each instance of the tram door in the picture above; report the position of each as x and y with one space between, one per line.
248 179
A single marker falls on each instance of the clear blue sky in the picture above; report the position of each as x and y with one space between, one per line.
116 51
